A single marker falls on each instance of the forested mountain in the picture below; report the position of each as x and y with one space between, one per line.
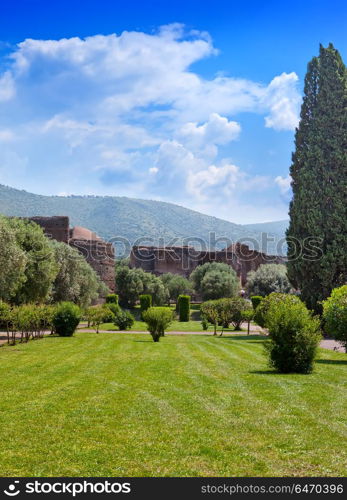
147 221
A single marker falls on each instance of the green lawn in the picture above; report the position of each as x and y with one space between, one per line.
122 405
180 326
194 325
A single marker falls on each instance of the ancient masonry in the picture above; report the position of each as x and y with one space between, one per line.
97 252
183 260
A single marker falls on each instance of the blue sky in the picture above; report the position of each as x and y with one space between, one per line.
190 102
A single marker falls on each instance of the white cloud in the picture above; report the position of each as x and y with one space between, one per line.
126 114
216 131
284 183
284 102
222 180
7 86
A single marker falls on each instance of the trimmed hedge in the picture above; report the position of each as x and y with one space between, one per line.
112 298
184 307
256 299
145 302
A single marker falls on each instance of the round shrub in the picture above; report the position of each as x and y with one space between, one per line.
124 320
184 307
294 336
335 315
157 320
263 307
113 308
66 318
256 299
112 298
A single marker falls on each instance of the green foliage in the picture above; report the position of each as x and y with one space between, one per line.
317 233
335 315
215 280
263 307
111 298
113 308
99 314
124 320
293 336
225 311
184 307
145 302
75 281
160 222
131 283
40 267
204 322
66 318
157 320
176 285
13 261
268 278
256 299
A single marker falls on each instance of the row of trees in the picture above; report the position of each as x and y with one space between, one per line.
210 281
35 269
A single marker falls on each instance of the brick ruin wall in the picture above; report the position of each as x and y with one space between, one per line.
183 260
98 253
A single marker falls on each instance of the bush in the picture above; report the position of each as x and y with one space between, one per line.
204 323
256 299
124 320
335 315
268 278
112 298
99 314
145 302
157 320
184 307
263 307
293 336
66 319
113 308
225 311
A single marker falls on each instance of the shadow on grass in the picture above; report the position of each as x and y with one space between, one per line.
332 361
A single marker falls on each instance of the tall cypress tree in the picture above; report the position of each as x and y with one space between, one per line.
318 211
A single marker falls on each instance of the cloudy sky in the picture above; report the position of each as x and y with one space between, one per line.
190 102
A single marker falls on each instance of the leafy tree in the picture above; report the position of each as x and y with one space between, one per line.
176 285
268 278
318 211
75 281
335 315
131 283
215 280
40 268
13 262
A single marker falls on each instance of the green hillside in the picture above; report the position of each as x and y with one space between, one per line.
137 221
